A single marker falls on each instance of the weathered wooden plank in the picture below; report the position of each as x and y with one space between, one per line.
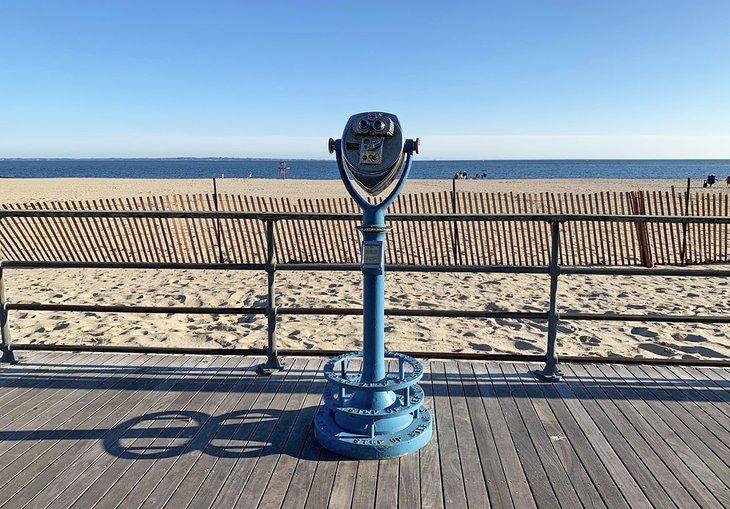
301 481
97 475
83 470
473 478
264 418
12 384
699 402
26 406
39 475
189 411
592 428
282 467
271 472
605 441
677 448
44 395
409 484
94 488
386 492
547 432
179 483
678 481
711 385
508 455
367 480
18 450
633 451
432 494
560 423
344 484
254 407
696 445
488 454
451 471
533 444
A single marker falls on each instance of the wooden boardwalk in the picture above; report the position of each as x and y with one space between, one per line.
110 430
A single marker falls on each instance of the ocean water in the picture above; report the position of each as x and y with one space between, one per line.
327 169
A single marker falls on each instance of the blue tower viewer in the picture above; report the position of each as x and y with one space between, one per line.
373 413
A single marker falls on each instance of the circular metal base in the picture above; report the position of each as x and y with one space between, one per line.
385 445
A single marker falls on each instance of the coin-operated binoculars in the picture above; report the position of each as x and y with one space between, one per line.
372 413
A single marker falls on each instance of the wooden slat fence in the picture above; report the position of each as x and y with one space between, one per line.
185 240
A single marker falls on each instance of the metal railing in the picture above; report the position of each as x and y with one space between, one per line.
271 267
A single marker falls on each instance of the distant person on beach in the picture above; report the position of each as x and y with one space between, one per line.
727 181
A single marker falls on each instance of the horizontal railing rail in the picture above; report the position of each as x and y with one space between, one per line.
553 269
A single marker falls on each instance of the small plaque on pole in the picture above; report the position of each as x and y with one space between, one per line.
372 258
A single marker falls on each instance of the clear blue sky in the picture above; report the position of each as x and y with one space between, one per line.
482 79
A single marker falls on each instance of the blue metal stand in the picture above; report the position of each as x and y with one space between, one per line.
6 351
372 413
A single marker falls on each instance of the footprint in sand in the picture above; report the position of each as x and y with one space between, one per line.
703 351
694 338
590 340
524 345
480 347
657 349
644 332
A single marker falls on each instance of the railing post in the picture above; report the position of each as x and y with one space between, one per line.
6 345
552 372
272 363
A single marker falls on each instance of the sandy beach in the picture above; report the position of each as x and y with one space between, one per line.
632 295
35 190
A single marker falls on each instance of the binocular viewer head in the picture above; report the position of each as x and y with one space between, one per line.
372 150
